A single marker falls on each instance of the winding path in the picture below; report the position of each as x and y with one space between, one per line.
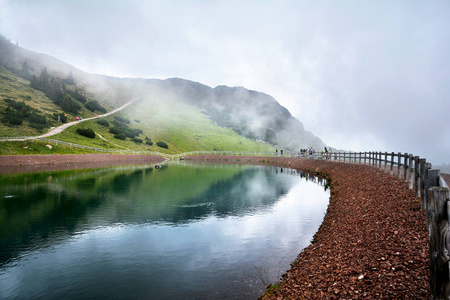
65 126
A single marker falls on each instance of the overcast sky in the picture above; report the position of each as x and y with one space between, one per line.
361 75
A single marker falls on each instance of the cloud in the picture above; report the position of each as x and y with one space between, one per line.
361 75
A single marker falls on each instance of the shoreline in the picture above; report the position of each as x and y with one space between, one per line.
372 244
373 241
56 162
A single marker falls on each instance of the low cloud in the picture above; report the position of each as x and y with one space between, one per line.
360 75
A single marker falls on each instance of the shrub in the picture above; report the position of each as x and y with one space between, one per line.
137 140
37 119
162 145
115 130
149 142
95 106
119 124
12 117
129 133
137 131
87 132
103 123
122 120
120 136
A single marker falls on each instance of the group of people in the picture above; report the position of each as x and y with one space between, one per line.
276 152
325 153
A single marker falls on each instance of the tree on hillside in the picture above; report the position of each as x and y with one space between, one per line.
69 79
44 80
25 71
56 91
68 105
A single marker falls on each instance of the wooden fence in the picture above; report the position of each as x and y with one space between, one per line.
433 192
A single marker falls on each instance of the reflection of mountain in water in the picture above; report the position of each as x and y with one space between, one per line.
251 190
38 210
42 208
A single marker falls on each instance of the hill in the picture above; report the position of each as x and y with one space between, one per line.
184 115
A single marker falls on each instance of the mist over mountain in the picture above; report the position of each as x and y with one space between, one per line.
252 114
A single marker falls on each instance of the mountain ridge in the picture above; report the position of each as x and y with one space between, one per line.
252 114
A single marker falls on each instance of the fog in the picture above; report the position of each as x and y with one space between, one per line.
361 75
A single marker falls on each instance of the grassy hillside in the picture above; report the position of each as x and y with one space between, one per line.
35 89
14 88
18 89
182 127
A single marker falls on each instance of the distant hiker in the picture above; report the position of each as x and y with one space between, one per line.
281 152
276 152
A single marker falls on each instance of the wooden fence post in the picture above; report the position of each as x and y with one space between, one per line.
405 168
417 176
375 162
423 178
430 180
385 161
381 161
399 165
392 163
411 171
439 241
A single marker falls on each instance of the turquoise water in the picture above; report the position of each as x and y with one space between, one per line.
185 231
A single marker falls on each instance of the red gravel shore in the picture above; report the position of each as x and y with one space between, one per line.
372 244
29 163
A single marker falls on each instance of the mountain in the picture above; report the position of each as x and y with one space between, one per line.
251 114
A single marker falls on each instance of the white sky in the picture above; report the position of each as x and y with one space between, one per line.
361 75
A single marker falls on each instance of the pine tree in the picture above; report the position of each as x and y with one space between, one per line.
44 80
69 79
25 72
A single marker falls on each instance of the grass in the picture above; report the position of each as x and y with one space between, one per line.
37 147
182 127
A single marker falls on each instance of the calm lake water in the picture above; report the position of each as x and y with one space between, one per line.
185 231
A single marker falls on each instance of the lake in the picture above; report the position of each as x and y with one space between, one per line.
184 231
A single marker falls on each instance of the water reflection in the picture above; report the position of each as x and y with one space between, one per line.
139 229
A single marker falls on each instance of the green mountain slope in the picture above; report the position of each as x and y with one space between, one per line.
184 115
183 128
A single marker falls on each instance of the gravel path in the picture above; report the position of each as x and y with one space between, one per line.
61 128
372 244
